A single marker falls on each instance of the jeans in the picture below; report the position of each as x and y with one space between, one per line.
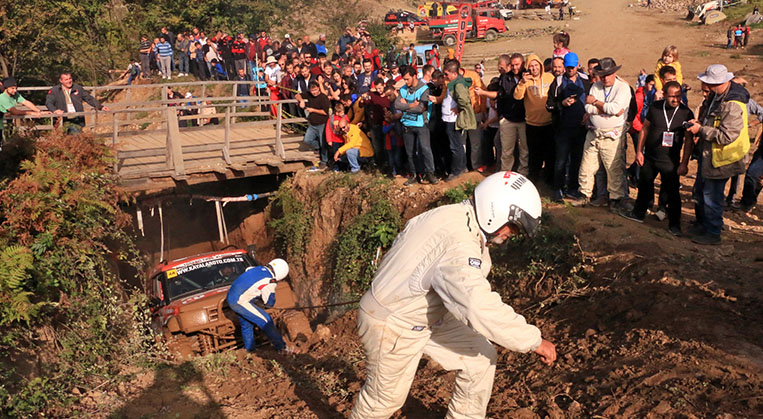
540 145
240 64
166 63
475 145
417 142
457 140
708 201
513 134
377 142
395 159
315 138
182 63
670 185
491 146
145 65
352 156
569 151
752 185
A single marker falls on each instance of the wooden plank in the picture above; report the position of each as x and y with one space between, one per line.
174 149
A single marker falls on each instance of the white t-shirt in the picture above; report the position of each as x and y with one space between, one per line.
447 104
273 73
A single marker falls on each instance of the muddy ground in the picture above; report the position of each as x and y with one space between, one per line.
656 326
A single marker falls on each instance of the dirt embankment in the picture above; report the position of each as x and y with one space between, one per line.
646 325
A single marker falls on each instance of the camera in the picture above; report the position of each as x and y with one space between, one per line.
687 124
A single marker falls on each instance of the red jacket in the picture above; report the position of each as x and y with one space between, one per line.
637 123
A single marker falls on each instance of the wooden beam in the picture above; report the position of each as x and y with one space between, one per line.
174 148
226 139
279 144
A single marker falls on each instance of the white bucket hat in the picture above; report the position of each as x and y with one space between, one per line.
716 74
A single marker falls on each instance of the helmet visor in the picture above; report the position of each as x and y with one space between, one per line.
527 223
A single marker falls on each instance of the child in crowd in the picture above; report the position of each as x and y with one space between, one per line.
333 140
561 44
669 57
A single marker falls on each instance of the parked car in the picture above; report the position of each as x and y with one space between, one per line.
393 18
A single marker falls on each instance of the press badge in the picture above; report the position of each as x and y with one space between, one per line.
667 139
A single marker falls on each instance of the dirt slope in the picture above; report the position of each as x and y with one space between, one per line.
659 328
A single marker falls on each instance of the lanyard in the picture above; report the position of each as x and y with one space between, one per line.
664 112
606 95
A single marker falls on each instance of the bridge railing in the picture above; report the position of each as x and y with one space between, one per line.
170 117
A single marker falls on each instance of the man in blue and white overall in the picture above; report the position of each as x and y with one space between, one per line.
258 283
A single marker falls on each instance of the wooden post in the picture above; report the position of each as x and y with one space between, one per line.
204 89
164 94
226 145
279 144
114 142
174 148
128 96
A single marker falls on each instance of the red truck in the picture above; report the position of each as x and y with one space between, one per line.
487 21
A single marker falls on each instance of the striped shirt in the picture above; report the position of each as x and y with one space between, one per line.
144 46
164 49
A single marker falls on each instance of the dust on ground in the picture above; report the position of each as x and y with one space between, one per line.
662 327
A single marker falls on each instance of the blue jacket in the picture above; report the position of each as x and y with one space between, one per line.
255 283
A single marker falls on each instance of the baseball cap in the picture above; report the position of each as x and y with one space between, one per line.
571 60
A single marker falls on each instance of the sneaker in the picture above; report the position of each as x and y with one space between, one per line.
631 216
580 202
431 178
696 229
746 207
615 206
558 196
453 177
411 180
661 214
675 230
707 238
321 165
573 195
601 201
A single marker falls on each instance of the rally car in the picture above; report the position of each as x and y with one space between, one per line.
188 301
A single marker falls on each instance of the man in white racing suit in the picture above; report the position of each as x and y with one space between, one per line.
431 296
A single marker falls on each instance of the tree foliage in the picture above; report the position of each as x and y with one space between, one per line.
40 38
62 231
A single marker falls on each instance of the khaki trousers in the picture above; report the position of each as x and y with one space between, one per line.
609 153
512 133
393 350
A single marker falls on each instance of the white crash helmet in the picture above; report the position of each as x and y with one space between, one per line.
279 268
507 198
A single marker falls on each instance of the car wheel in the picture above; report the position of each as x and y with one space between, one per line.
491 35
449 40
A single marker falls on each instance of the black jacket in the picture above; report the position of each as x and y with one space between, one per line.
508 107
57 101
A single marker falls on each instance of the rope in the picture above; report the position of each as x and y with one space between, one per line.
318 306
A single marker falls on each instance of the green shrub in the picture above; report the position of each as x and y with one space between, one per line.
62 231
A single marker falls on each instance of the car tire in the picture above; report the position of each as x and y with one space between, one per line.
449 40
491 35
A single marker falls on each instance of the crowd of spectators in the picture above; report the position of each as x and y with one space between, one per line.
562 122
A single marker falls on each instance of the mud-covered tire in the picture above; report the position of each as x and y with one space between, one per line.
491 35
449 40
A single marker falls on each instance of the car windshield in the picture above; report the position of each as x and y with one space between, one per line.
204 274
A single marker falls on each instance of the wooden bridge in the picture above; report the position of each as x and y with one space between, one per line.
163 143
